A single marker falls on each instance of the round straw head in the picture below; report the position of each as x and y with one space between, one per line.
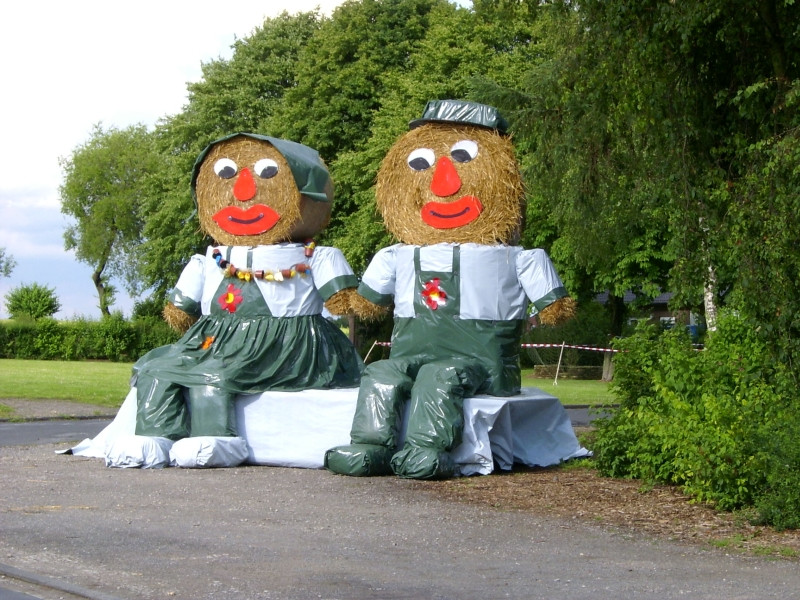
486 170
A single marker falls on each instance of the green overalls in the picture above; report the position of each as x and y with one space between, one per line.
240 347
437 359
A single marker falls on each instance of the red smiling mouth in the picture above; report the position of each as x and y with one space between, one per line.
448 215
246 221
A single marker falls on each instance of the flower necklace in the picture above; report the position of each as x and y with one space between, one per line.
279 275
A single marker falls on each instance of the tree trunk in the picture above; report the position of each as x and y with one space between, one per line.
709 299
100 286
608 366
618 310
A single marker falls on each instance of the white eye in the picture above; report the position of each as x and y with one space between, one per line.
266 168
464 151
225 168
421 159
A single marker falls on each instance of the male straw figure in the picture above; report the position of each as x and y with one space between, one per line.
450 190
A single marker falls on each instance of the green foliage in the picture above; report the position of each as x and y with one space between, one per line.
104 181
589 327
112 338
719 423
148 308
7 263
341 72
32 300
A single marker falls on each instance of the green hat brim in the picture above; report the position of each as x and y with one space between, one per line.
462 112
309 172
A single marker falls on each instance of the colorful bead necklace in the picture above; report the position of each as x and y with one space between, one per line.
278 275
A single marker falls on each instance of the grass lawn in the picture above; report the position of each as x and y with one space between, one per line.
99 383
107 383
572 391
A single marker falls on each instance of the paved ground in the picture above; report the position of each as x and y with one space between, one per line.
272 533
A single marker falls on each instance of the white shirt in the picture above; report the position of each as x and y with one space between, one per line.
300 295
496 282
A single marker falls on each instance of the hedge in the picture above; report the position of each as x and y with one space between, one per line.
113 338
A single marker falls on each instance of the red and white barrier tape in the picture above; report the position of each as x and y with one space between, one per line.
594 348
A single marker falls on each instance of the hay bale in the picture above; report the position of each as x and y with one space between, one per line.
300 217
492 176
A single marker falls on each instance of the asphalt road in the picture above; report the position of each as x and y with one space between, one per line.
72 528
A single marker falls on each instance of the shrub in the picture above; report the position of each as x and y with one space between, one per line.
112 338
713 422
118 337
32 300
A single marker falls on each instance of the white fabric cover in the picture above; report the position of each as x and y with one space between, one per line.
208 451
137 451
294 429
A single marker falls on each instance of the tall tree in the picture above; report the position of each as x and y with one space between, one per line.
341 71
635 135
104 180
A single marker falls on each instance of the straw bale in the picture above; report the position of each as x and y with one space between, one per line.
493 177
348 301
301 217
177 319
558 312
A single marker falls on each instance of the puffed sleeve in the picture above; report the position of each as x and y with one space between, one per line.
539 279
331 271
378 283
189 290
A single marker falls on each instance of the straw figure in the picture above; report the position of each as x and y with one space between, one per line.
251 307
450 191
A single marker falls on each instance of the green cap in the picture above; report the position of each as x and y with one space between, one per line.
463 112
309 172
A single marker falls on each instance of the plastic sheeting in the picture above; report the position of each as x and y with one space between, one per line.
295 429
138 451
208 451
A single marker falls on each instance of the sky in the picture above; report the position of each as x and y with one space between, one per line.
67 66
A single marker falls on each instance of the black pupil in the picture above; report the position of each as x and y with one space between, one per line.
227 172
419 164
268 172
461 155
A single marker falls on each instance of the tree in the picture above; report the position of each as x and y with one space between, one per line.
341 72
7 263
32 300
634 119
104 181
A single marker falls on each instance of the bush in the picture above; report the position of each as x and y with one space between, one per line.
719 423
148 308
112 338
32 300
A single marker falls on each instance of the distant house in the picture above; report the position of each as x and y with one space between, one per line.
657 311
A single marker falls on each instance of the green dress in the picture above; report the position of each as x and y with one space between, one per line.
253 335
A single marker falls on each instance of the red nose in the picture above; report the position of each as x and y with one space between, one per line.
446 181
245 188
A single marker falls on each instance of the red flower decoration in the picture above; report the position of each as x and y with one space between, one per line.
434 295
231 298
